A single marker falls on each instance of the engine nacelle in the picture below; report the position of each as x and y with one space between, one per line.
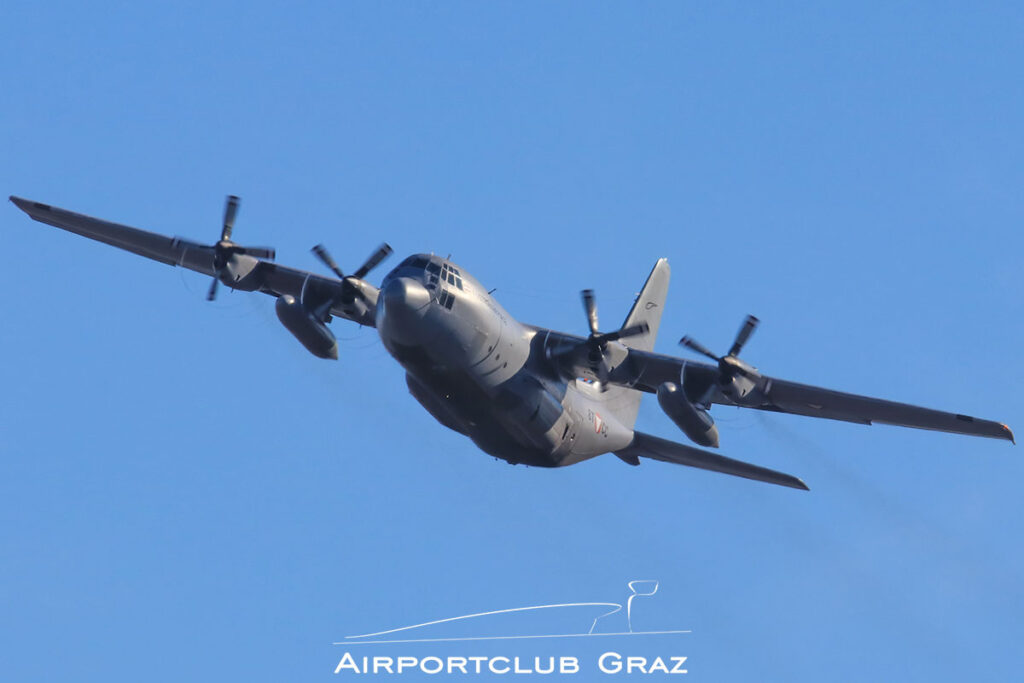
694 422
307 328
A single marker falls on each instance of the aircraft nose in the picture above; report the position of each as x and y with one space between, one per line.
403 302
403 292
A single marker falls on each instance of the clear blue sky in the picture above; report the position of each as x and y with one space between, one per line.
186 494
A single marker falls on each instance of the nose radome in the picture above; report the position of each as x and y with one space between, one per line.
403 292
403 302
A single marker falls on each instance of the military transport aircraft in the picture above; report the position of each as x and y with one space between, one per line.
522 393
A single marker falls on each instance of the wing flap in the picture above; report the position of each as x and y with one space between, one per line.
654 448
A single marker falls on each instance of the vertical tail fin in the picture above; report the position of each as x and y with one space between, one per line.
649 304
648 307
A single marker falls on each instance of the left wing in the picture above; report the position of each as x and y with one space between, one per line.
646 371
265 275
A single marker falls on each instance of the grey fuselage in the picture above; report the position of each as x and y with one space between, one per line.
480 372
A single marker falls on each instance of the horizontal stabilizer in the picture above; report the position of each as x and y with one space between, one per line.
647 446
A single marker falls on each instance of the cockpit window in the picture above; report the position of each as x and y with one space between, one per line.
451 276
417 262
445 298
433 268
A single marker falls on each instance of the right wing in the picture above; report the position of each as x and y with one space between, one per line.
647 446
269 277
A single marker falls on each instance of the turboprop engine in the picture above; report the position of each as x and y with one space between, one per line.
599 353
694 422
307 317
309 329
738 381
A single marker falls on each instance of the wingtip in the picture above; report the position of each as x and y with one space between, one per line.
1009 434
801 485
26 204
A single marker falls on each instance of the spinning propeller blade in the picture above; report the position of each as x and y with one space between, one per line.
325 256
596 343
224 249
625 332
729 365
350 287
230 211
590 306
749 325
694 345
260 252
383 251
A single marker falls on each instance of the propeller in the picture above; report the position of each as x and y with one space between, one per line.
383 251
749 325
230 211
224 249
374 260
321 253
601 339
728 364
597 342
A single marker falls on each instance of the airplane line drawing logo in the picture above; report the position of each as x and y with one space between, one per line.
637 588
